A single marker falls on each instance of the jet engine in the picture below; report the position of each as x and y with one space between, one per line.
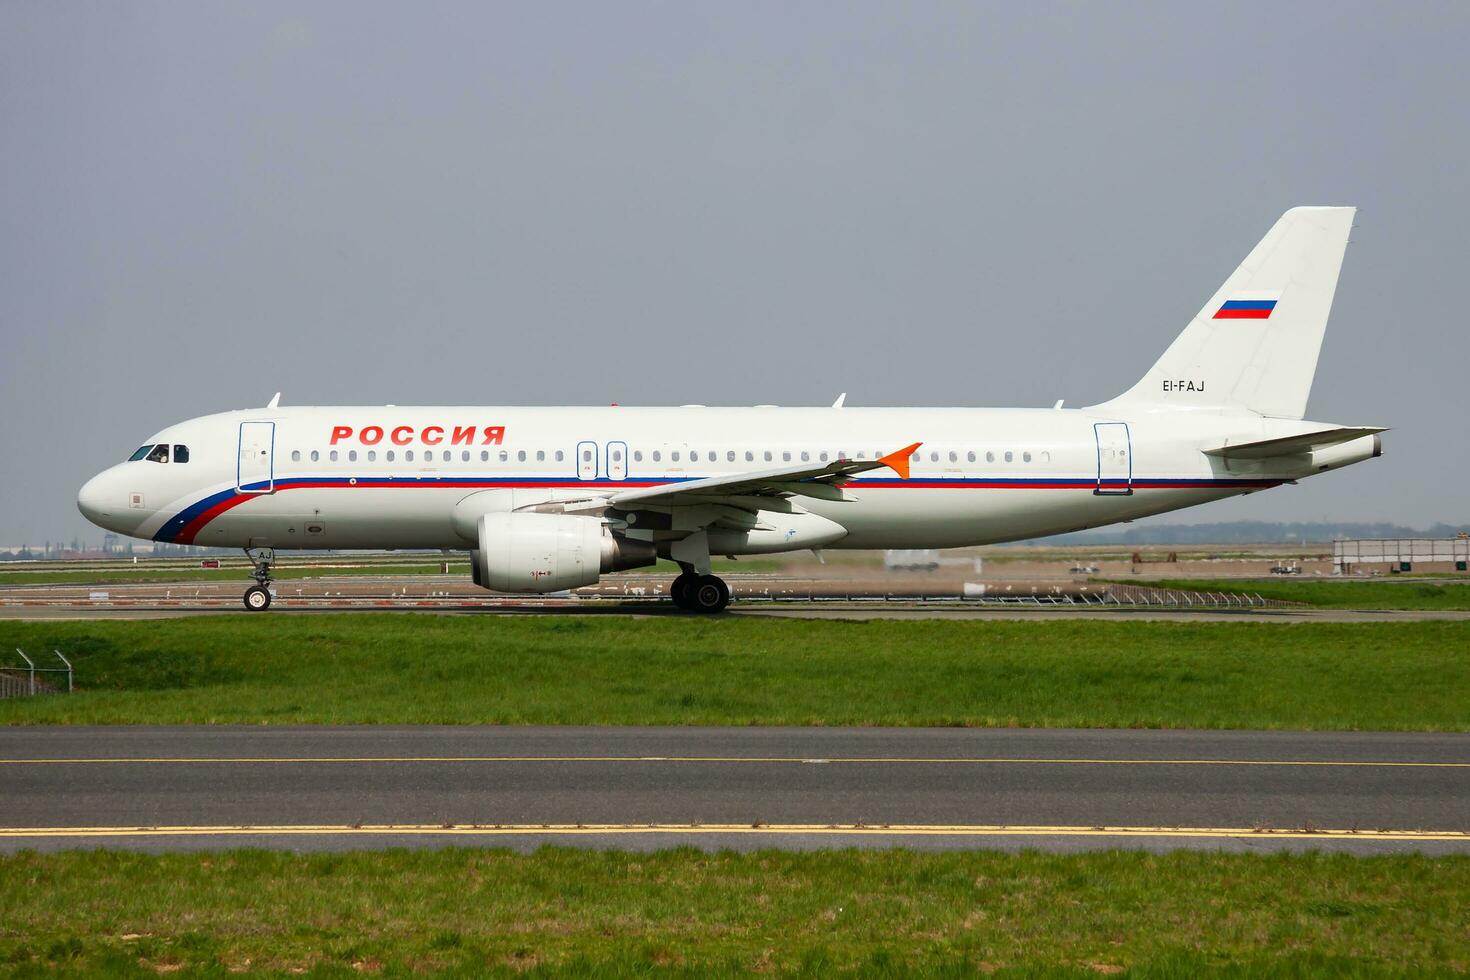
532 552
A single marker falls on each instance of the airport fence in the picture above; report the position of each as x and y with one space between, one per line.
31 681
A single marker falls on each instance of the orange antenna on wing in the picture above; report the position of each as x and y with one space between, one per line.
899 462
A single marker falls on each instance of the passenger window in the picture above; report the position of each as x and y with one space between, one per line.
657 455
295 455
1026 457
1008 456
730 455
822 457
617 455
521 456
484 455
693 456
372 455
560 456
768 455
159 454
586 455
388 456
142 453
352 455
541 456
954 457
674 455
504 456
181 453
806 457
315 455
464 457
990 457
785 455
933 457
407 455
749 456
914 458
637 455
332 455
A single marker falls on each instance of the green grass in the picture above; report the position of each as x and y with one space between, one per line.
685 913
675 670
1336 593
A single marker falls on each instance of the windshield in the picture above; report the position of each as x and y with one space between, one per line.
140 454
159 454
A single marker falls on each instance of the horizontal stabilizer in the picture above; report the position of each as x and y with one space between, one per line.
1291 445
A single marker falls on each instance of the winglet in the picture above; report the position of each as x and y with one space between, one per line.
275 402
899 462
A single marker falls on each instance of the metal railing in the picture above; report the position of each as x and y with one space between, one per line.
22 682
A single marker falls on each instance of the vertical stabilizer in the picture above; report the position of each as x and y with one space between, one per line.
1254 345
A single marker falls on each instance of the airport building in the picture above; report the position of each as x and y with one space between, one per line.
1401 555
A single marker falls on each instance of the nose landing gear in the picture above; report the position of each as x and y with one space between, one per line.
258 596
700 593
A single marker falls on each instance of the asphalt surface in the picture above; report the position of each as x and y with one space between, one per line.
324 788
455 595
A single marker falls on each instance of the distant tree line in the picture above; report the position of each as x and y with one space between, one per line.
1252 532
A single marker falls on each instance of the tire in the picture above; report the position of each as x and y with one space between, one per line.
257 598
709 594
679 590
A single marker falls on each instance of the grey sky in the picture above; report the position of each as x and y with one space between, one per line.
202 204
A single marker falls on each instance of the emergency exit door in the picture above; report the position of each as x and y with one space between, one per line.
1114 458
586 460
255 472
617 461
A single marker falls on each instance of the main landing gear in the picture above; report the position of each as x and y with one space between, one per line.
700 593
258 596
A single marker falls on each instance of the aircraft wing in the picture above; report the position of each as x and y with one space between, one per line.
822 482
1289 445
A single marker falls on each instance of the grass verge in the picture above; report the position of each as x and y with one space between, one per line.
566 669
682 912
1336 593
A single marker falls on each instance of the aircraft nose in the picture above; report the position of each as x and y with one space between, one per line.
95 501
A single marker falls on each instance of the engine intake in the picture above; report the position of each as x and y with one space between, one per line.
531 552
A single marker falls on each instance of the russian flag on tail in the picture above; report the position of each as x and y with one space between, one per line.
1246 309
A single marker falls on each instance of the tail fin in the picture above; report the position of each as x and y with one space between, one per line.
1255 343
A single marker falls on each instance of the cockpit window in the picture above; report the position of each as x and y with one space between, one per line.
159 454
181 453
142 453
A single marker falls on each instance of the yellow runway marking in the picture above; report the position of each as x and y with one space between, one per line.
793 760
872 830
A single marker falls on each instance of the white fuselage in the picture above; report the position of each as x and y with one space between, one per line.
388 477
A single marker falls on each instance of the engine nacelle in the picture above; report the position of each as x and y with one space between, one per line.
530 552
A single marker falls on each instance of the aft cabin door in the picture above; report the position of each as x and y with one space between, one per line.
1114 458
256 472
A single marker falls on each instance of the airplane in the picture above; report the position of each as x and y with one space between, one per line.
548 499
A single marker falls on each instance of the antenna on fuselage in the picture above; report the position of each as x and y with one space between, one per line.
275 401
840 399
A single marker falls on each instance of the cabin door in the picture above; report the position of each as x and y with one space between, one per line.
255 472
1114 458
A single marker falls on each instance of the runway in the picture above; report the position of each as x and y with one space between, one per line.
324 788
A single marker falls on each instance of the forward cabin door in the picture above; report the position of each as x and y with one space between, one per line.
586 460
255 471
1114 458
